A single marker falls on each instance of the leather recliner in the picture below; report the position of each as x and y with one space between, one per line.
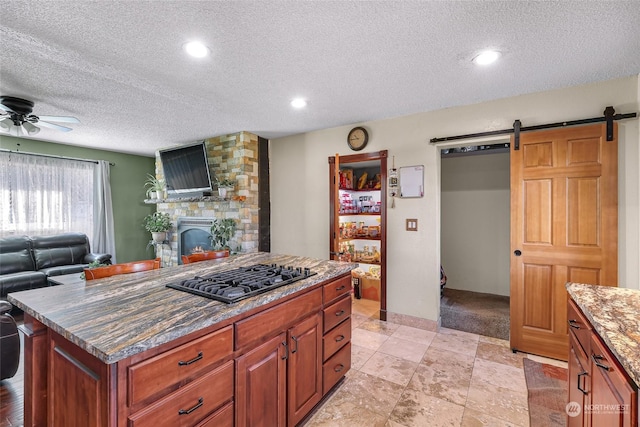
9 342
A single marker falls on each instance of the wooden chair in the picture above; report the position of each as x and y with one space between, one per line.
124 268
204 256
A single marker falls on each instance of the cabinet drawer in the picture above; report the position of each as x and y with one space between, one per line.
336 313
222 418
275 320
335 289
336 339
152 376
579 326
190 404
335 368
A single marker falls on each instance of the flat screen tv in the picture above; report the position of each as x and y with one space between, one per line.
186 171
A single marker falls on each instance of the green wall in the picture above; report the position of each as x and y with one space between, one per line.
127 190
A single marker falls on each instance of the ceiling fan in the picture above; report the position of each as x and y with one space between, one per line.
16 117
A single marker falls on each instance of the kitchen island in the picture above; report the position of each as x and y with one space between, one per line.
129 351
604 359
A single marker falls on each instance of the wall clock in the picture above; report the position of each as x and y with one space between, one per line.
357 138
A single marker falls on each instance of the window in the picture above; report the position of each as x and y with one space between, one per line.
44 195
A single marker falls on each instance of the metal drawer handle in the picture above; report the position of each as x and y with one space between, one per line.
340 288
286 350
295 341
190 410
339 368
574 324
580 375
339 313
596 358
339 338
189 362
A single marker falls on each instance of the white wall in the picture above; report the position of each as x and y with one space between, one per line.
300 187
475 221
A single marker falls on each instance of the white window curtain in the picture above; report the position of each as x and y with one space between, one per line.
44 195
103 231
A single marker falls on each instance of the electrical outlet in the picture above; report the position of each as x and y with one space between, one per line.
412 224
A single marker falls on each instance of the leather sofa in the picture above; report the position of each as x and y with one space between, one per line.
9 342
27 262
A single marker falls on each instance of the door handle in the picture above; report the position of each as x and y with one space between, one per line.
580 375
574 324
596 360
517 252
286 350
295 341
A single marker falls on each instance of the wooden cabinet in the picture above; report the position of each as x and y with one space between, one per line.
614 401
280 381
304 370
600 391
261 384
268 368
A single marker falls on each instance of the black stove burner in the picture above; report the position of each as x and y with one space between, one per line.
244 282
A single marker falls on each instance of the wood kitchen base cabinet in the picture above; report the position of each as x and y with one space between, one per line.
602 390
269 367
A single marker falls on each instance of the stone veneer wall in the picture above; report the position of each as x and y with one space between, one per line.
233 156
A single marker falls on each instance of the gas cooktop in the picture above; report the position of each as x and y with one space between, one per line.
244 282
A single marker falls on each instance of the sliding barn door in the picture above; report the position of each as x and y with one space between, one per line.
564 228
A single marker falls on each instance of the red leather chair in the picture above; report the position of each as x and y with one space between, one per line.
124 268
204 256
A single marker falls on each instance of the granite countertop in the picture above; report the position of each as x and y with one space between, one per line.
119 316
615 316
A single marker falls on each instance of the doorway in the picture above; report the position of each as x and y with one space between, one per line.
358 221
475 217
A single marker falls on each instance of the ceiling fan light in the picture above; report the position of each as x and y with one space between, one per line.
30 128
6 124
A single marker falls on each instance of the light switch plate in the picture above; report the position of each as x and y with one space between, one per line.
412 224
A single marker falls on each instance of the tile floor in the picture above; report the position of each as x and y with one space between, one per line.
403 377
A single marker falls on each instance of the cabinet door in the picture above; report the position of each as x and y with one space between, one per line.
304 367
578 386
613 400
261 385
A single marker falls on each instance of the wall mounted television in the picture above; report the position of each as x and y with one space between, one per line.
186 171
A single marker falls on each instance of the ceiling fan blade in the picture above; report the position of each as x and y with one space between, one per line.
5 108
53 126
61 119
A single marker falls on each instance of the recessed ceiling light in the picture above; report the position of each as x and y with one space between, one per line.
196 49
487 57
299 103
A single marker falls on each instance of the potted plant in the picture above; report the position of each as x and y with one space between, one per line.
157 224
224 185
155 187
222 231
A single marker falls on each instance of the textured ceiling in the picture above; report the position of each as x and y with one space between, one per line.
118 66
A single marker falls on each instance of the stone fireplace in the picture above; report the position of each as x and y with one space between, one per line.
235 157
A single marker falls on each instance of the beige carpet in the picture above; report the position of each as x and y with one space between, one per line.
475 312
547 394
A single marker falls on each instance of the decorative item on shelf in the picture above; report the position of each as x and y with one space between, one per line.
222 231
224 186
155 187
157 224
